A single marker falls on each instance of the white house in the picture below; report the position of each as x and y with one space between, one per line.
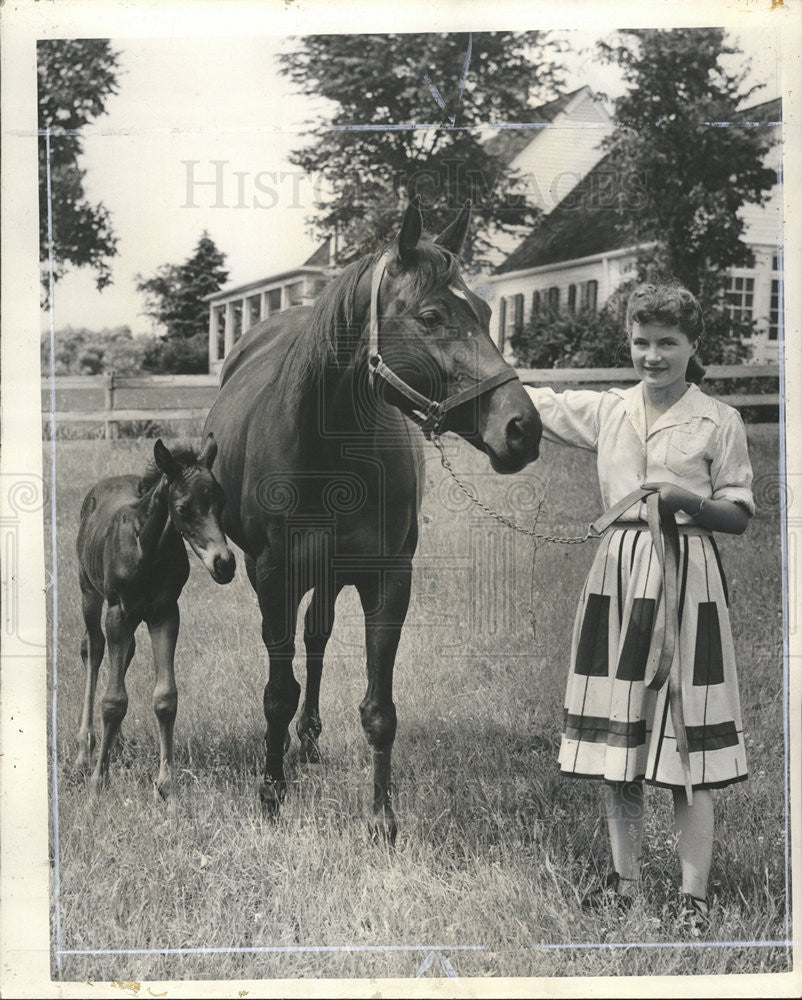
577 256
234 310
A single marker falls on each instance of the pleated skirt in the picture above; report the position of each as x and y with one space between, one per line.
615 728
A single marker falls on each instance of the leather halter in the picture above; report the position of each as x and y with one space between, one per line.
427 413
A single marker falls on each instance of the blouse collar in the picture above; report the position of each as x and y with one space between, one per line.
692 403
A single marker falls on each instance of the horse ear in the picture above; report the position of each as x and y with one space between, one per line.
165 462
453 236
411 229
208 452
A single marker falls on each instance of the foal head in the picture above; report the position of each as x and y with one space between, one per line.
196 501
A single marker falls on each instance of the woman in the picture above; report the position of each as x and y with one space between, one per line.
666 435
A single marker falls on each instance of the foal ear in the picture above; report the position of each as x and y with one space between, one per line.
453 236
208 452
411 229
165 462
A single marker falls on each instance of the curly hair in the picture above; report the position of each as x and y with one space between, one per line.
669 305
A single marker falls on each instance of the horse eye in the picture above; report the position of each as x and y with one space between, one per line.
430 319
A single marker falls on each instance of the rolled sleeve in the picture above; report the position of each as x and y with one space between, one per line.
570 418
730 468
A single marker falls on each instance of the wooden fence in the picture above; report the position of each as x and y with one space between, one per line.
204 387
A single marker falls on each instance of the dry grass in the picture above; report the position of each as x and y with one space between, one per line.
494 848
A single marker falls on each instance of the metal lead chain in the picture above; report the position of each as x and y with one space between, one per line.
558 539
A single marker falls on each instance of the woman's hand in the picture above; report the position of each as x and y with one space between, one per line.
674 498
717 515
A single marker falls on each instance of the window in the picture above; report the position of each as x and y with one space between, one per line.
219 335
517 313
535 303
273 301
572 299
502 321
739 298
254 310
236 308
553 298
590 295
774 310
295 294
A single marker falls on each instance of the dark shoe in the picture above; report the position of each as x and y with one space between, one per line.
607 894
694 914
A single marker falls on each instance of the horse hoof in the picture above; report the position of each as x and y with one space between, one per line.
163 792
271 795
309 752
86 744
97 784
384 831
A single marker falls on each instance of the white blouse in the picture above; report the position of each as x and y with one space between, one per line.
699 443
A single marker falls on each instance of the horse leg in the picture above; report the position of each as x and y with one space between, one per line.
92 648
385 600
278 603
163 637
120 629
318 623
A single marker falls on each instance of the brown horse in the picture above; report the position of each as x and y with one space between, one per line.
131 554
319 460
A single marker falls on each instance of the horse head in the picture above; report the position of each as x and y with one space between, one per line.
429 333
196 501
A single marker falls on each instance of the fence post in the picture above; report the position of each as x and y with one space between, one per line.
110 426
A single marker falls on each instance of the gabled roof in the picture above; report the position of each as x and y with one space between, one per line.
321 257
592 218
587 221
507 143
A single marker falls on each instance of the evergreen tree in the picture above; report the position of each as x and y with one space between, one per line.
393 82
174 298
75 79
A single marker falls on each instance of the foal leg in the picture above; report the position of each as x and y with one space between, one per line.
279 606
93 645
385 600
318 623
120 630
163 637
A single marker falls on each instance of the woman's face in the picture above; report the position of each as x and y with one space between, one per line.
660 354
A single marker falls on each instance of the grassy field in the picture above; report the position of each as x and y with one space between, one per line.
495 848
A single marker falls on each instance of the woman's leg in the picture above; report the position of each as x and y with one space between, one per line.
693 826
623 802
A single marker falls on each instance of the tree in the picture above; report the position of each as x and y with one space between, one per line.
696 176
402 80
91 352
75 79
175 300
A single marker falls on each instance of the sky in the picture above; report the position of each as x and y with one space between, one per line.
198 137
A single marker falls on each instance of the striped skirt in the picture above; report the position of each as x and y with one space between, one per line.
614 727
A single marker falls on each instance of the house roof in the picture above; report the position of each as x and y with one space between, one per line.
591 218
321 257
507 143
318 263
587 221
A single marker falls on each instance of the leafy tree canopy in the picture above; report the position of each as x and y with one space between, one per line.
696 175
75 79
80 351
385 81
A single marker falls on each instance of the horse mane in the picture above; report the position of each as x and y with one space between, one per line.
182 453
335 332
